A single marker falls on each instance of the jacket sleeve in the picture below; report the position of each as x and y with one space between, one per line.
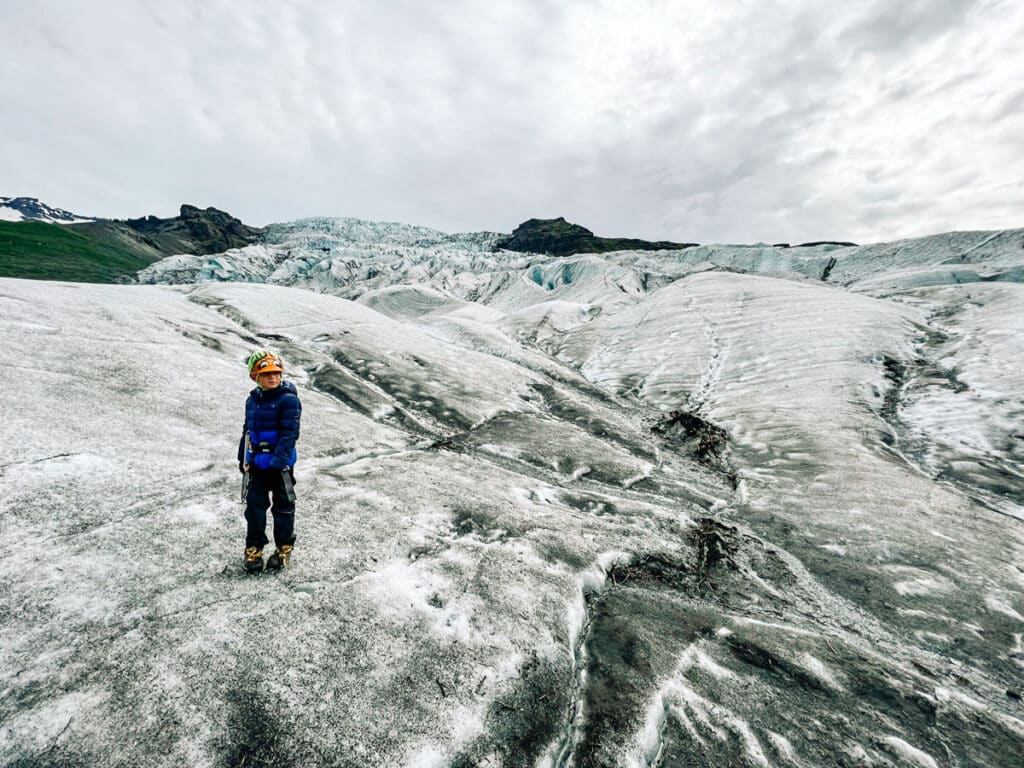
290 414
245 429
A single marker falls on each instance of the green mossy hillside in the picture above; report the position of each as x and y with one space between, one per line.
39 251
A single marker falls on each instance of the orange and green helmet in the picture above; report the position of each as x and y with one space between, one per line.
264 362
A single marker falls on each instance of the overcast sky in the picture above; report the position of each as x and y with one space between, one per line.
740 121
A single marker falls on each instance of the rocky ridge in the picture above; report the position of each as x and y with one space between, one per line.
193 231
558 237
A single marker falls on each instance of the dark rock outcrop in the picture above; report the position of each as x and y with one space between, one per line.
194 231
843 243
814 243
558 237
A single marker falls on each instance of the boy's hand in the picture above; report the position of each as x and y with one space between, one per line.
241 467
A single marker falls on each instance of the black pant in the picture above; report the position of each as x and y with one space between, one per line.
263 483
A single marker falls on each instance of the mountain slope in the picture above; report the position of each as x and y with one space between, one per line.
41 251
193 230
108 250
31 209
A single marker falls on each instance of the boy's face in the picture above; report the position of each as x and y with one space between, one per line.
269 380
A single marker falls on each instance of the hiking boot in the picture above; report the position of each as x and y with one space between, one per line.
253 559
279 559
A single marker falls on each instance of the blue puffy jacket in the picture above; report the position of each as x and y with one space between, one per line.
272 423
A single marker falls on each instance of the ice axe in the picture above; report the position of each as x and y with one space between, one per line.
245 469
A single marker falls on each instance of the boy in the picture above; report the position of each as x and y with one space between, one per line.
267 453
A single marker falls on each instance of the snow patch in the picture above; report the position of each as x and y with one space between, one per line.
505 451
819 670
922 582
910 753
1000 603
719 720
836 549
946 695
49 722
197 514
783 748
694 658
1017 649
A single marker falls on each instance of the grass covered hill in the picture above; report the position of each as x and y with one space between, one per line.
102 251
39 251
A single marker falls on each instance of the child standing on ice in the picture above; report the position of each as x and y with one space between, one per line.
266 453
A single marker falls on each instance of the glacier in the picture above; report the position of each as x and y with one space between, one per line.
729 505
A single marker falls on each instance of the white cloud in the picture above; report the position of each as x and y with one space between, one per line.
683 120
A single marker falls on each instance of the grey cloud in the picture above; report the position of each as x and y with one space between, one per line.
888 27
763 122
1008 107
